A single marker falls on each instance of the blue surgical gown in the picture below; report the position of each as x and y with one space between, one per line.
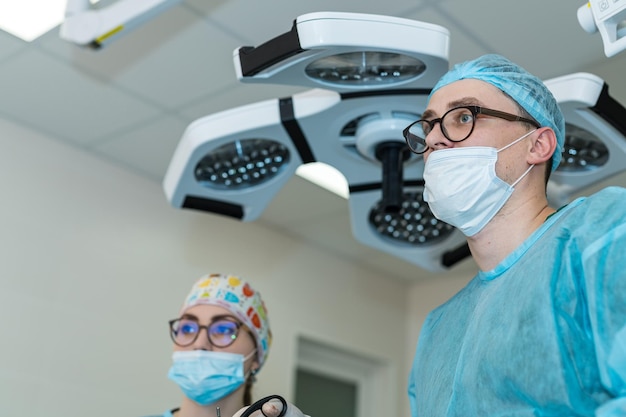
543 333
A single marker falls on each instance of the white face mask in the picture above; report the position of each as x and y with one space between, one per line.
462 188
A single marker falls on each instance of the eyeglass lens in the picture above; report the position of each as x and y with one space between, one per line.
221 332
456 125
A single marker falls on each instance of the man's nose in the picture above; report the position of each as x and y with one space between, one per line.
436 139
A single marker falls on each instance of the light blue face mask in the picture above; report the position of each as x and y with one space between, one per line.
207 376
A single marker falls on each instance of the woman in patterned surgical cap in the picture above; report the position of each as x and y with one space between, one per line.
221 339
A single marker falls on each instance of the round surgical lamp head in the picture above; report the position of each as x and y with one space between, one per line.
241 164
595 135
365 68
349 52
582 151
412 224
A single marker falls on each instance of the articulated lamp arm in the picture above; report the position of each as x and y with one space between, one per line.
91 27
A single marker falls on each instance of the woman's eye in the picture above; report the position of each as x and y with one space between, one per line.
225 328
188 328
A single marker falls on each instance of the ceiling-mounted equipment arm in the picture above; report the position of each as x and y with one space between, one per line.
392 154
607 17
95 28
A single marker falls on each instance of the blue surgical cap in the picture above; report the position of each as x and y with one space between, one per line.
526 89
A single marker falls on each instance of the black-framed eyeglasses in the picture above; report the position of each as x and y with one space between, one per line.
456 124
221 332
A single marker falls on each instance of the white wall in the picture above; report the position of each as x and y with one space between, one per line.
93 262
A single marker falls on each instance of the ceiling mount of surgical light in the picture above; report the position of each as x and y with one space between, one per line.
368 79
95 27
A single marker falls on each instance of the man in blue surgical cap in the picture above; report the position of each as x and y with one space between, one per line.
541 329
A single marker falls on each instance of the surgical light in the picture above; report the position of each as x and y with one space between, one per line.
609 18
369 77
365 68
595 135
242 163
582 150
348 52
412 224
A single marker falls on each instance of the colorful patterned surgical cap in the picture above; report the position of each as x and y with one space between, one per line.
526 89
237 296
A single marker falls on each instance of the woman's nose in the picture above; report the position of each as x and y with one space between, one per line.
202 342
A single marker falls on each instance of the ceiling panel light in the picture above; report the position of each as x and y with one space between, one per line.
29 19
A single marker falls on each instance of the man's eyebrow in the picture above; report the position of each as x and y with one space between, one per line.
428 114
465 101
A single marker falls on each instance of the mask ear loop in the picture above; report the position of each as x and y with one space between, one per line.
516 140
523 175
252 373
249 355
513 143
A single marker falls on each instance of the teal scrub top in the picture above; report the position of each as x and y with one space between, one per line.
543 333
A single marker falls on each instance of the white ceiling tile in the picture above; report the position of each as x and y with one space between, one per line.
205 7
50 96
9 45
464 44
147 149
543 36
244 17
171 60
235 96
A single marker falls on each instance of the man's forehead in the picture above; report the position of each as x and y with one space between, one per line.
466 92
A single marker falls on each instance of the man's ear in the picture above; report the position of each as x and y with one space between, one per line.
543 146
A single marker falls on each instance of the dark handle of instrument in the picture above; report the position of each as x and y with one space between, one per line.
257 406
